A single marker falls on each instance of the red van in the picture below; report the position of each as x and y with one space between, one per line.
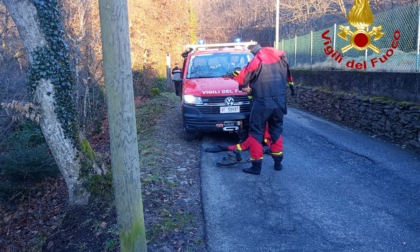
211 101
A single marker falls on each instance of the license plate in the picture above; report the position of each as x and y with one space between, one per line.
230 109
229 123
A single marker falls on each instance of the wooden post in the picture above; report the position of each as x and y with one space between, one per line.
122 124
168 72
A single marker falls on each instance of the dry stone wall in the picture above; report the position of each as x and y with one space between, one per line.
383 116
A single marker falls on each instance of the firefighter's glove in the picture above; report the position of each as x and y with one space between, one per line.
236 71
292 88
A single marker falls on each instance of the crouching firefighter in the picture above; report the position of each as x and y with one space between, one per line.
265 78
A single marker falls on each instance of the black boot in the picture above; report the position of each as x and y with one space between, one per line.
238 155
277 162
255 169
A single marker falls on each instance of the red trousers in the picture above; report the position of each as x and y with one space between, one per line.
257 152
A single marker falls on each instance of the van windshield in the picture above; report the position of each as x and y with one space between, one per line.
216 64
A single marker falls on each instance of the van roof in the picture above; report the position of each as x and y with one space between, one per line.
222 47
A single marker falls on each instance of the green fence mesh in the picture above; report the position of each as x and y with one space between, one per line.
398 25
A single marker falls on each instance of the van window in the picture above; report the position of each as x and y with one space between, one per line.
216 65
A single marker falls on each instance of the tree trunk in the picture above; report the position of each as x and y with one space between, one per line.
122 124
64 150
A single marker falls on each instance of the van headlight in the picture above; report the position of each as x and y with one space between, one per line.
191 99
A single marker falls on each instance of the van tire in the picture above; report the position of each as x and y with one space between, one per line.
189 135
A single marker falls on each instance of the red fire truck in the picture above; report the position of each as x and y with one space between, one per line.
211 100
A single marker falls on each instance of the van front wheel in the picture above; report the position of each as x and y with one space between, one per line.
189 135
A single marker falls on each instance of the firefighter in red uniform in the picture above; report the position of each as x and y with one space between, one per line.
265 78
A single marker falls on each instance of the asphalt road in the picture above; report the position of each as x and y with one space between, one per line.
340 190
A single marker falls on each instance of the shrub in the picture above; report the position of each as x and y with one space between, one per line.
155 91
101 186
27 156
148 83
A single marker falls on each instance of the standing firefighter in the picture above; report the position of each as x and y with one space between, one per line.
265 78
177 80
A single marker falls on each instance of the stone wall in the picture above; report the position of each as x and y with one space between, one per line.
377 113
398 86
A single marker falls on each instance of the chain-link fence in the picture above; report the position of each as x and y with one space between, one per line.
398 47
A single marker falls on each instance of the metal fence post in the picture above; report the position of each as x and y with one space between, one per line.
312 46
335 33
366 51
295 50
